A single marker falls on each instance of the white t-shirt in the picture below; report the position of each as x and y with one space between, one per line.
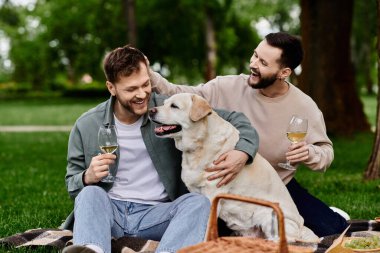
137 178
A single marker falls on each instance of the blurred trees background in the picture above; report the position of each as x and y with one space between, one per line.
373 168
54 43
59 45
329 72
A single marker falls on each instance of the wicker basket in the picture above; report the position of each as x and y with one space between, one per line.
216 244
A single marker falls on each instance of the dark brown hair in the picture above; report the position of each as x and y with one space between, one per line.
292 53
122 61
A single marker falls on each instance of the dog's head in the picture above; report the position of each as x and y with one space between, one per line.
179 113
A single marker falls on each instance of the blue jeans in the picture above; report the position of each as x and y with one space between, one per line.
175 224
317 215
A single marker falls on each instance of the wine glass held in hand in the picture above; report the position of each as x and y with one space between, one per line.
107 139
295 132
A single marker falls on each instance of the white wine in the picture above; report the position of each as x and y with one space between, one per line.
109 149
296 136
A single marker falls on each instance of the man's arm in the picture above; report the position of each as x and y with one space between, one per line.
75 163
80 173
248 137
317 151
162 86
320 156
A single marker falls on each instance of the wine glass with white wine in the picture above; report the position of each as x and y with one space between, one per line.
107 139
295 132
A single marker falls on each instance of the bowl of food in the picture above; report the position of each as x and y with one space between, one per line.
362 244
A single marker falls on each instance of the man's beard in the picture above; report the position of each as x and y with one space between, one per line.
128 106
264 82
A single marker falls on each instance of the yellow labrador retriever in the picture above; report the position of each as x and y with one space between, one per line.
202 135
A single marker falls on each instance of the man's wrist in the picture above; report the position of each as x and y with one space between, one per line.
84 178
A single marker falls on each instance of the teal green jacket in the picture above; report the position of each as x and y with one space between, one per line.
83 145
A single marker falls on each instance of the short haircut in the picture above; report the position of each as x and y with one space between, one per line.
292 53
122 61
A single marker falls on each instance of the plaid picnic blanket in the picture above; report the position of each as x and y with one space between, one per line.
57 239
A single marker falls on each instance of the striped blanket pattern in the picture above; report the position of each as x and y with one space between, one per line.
58 239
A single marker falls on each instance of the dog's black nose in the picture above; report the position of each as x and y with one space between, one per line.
152 111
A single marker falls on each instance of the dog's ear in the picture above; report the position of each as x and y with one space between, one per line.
199 109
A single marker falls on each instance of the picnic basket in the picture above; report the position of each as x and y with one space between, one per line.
234 244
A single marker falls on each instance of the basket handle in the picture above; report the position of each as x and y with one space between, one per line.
213 225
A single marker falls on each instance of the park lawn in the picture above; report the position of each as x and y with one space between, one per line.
44 111
34 194
342 185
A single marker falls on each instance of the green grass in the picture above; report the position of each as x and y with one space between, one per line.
32 165
342 185
33 190
33 193
43 111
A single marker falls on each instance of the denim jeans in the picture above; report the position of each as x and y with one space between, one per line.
317 215
175 224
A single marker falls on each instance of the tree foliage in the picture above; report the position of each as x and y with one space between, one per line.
71 37
364 44
68 38
79 32
183 46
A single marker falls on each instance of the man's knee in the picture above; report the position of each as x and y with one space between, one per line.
331 225
91 192
197 201
339 224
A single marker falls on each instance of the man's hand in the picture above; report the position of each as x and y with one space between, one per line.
227 166
99 168
298 152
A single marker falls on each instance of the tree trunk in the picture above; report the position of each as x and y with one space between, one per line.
211 47
373 169
327 72
129 7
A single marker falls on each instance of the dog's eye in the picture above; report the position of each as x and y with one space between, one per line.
174 106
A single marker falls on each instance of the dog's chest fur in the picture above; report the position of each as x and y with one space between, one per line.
199 152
